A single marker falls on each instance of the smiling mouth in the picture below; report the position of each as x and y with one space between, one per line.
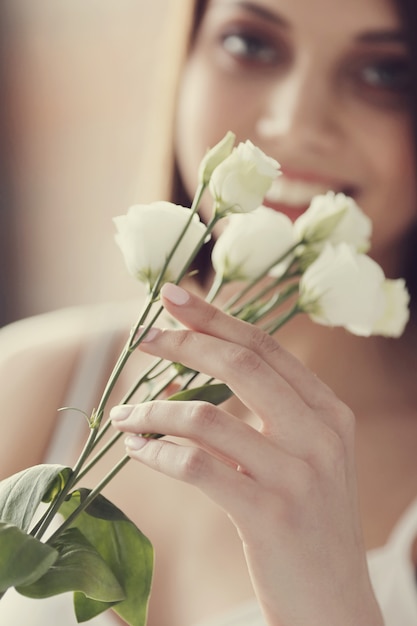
293 197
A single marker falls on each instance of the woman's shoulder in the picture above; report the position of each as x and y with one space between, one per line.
38 357
63 327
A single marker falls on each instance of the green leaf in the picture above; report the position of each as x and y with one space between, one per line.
23 559
213 393
57 484
87 608
21 494
127 552
78 567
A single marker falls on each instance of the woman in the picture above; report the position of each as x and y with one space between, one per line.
310 490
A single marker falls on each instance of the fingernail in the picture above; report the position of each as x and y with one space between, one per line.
119 413
176 295
150 335
135 442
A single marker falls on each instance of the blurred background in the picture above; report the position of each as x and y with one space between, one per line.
73 109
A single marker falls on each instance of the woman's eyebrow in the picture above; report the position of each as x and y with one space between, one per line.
382 36
255 9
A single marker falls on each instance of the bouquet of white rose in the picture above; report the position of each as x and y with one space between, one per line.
316 265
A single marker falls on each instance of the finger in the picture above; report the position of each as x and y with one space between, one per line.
258 386
237 492
197 314
227 487
286 419
219 432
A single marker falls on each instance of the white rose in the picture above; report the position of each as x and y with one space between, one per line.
215 156
240 182
335 218
343 288
251 242
147 234
396 312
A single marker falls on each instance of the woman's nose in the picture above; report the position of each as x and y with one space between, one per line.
300 110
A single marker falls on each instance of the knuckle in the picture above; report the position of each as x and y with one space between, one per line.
243 359
147 412
261 342
346 423
295 491
332 451
328 457
180 338
158 456
209 316
193 465
302 481
203 416
343 419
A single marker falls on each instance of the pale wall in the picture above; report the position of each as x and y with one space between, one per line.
79 76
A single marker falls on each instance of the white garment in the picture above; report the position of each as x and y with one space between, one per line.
390 566
393 575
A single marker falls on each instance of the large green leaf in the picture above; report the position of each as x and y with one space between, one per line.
213 393
87 608
23 559
78 567
21 494
125 549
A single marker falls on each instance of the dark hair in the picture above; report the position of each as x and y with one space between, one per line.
179 194
407 11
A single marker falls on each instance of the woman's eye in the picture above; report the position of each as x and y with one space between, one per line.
249 48
387 75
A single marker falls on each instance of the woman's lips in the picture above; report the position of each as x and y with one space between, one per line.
293 196
292 192
290 211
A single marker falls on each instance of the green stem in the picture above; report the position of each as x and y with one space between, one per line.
196 201
254 281
193 376
89 499
263 292
52 510
131 345
146 377
124 356
283 319
143 379
117 436
209 228
215 288
267 307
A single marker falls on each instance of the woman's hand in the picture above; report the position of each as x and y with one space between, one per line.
289 487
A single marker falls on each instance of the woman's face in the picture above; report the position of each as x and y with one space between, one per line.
320 85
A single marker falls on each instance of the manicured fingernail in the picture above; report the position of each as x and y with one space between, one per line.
150 335
176 295
134 442
119 413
